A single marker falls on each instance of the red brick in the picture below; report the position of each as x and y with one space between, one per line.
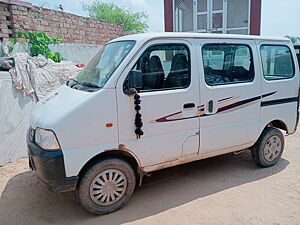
3 35
6 31
5 13
44 22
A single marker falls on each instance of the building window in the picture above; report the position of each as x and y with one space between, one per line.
214 16
227 64
184 15
277 62
165 67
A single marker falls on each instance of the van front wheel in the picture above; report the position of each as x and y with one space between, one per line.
106 186
268 149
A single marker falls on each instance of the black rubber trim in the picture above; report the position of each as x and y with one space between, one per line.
297 120
49 167
279 101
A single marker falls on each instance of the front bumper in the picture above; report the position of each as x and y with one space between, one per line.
49 167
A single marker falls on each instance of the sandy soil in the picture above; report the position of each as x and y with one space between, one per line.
228 189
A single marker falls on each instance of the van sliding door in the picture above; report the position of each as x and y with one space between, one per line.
230 94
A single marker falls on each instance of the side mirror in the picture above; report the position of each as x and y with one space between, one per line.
135 82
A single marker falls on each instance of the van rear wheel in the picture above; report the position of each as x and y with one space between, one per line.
106 186
268 149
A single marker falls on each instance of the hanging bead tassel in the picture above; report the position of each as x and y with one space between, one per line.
138 117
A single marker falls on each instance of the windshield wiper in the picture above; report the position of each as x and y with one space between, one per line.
72 79
88 84
73 82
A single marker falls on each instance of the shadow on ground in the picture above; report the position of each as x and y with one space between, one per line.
26 201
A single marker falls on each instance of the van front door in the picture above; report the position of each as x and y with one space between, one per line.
169 99
230 94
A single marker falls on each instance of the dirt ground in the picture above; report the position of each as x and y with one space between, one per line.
229 189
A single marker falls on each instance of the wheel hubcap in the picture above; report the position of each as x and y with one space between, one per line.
108 187
272 148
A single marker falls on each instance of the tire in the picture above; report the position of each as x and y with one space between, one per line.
269 147
117 179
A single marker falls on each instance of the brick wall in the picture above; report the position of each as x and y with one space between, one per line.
5 23
71 28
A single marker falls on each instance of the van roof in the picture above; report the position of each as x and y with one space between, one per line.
148 36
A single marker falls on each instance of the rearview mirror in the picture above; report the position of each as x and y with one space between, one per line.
135 81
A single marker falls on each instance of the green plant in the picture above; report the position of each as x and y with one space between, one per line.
294 40
39 42
10 45
132 22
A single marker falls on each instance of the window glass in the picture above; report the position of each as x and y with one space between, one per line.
104 63
227 64
242 57
164 67
277 62
214 59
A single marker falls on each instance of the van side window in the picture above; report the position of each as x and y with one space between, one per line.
227 64
165 67
277 62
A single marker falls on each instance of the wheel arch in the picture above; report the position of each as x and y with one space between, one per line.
278 124
123 154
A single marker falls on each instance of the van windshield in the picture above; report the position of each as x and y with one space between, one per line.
104 63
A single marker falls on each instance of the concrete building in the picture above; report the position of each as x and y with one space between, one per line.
213 16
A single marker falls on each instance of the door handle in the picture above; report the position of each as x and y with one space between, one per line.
188 105
210 106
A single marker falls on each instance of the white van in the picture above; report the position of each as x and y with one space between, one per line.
156 100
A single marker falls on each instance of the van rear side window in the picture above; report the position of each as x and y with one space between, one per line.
227 64
277 62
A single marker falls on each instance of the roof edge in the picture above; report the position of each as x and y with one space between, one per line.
155 35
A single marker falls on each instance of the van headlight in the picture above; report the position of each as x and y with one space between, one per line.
46 139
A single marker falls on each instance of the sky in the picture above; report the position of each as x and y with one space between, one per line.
279 17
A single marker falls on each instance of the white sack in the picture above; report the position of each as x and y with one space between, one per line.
39 76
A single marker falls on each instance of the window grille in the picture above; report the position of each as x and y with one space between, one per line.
212 16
